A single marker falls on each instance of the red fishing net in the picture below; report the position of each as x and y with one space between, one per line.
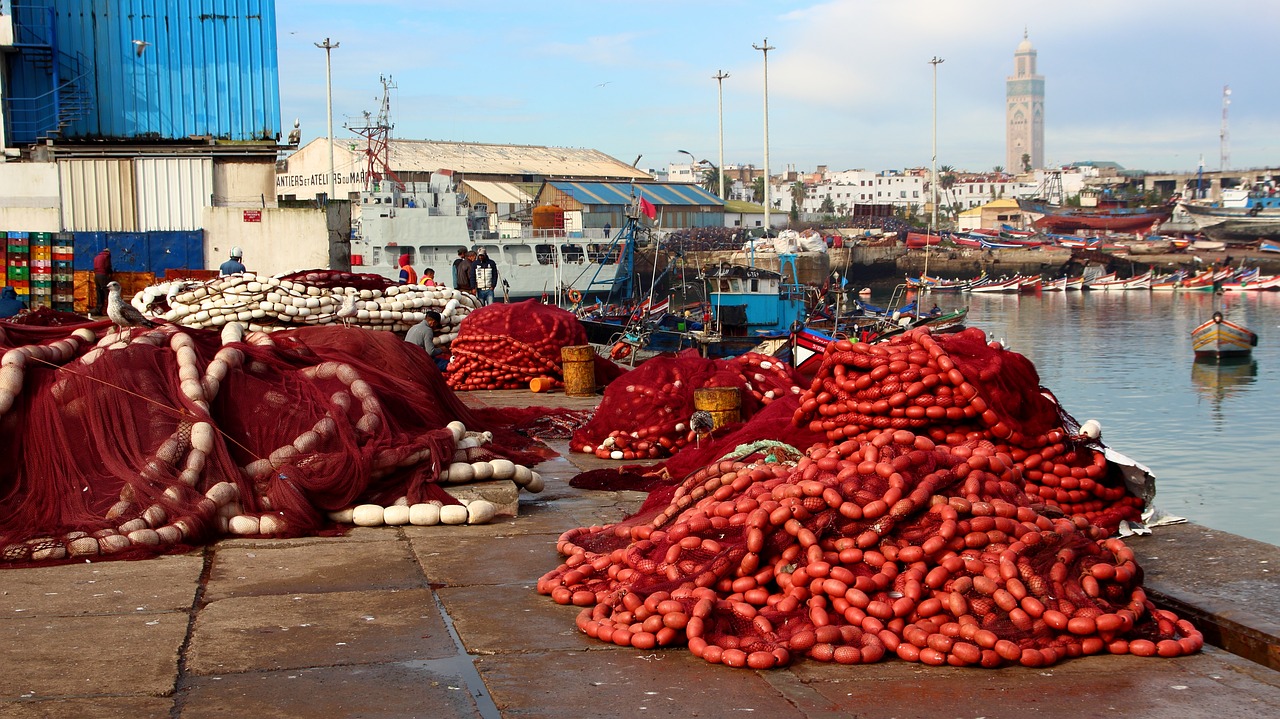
906 531
150 440
504 346
647 412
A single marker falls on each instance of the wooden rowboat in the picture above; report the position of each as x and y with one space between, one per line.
1219 338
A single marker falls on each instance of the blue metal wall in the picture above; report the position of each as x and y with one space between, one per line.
142 251
208 68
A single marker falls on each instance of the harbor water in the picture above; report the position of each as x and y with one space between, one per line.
1208 432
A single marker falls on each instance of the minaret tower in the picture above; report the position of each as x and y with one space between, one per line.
1024 113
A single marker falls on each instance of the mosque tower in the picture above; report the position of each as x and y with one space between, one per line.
1024 114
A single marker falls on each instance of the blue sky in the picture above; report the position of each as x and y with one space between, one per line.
850 85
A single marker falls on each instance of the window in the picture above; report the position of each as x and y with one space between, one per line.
546 254
521 255
394 252
572 253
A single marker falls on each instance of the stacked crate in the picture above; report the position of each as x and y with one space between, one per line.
63 277
41 269
17 265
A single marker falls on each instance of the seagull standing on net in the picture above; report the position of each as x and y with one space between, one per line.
701 423
123 313
348 310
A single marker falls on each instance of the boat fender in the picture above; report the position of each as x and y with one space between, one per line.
1217 317
1091 429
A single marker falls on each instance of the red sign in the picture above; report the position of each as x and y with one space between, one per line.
253 215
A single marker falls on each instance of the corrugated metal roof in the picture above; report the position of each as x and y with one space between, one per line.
500 191
620 193
467 157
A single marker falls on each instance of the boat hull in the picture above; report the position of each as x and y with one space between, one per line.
1220 338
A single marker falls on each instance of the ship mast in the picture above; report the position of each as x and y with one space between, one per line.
1224 136
376 132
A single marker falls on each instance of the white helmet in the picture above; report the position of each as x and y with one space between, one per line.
236 253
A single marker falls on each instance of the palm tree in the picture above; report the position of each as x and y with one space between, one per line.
798 193
711 180
757 189
1026 162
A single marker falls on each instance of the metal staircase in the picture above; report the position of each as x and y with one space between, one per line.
41 116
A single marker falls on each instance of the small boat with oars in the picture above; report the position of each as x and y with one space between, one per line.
1220 338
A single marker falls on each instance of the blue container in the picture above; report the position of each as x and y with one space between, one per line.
142 251
146 70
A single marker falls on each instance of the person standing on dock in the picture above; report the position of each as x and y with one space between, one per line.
462 272
408 276
102 275
234 265
485 275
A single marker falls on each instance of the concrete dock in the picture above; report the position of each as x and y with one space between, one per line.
445 622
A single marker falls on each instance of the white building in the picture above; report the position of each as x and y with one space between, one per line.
861 187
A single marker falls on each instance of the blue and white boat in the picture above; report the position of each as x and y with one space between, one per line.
1241 216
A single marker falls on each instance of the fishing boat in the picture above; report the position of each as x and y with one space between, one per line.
1268 246
1169 282
809 343
1137 282
1008 285
1097 211
1221 338
744 305
1094 282
430 221
1030 285
1241 215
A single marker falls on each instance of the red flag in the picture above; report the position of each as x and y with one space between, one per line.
648 209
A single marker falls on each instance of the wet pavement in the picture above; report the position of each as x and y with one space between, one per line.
445 622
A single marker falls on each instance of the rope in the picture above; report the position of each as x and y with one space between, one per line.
776 447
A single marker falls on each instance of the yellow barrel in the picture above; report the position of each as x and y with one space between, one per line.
722 402
579 368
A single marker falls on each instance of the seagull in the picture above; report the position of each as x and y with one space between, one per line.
701 423
139 46
604 83
348 310
122 313
295 135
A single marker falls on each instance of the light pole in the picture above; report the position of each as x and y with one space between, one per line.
765 48
719 78
328 93
933 223
936 61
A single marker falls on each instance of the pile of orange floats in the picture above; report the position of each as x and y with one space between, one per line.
505 346
646 413
902 534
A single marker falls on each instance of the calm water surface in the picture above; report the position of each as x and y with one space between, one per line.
1206 431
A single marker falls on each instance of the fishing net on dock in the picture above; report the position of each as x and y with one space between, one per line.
649 412
137 443
504 346
904 531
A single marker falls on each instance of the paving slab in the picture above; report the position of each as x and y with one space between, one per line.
333 565
398 690
514 618
88 708
627 684
486 559
307 630
163 584
1229 586
1204 685
45 657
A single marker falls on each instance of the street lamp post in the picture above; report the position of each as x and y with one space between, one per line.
924 281
765 48
719 78
328 93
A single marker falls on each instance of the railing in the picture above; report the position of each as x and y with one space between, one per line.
39 117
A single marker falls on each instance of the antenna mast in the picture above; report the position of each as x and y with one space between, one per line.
1224 136
377 135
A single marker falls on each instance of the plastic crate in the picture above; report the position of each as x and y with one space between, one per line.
62 265
40 265
17 249
19 285
19 273
42 253
41 238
